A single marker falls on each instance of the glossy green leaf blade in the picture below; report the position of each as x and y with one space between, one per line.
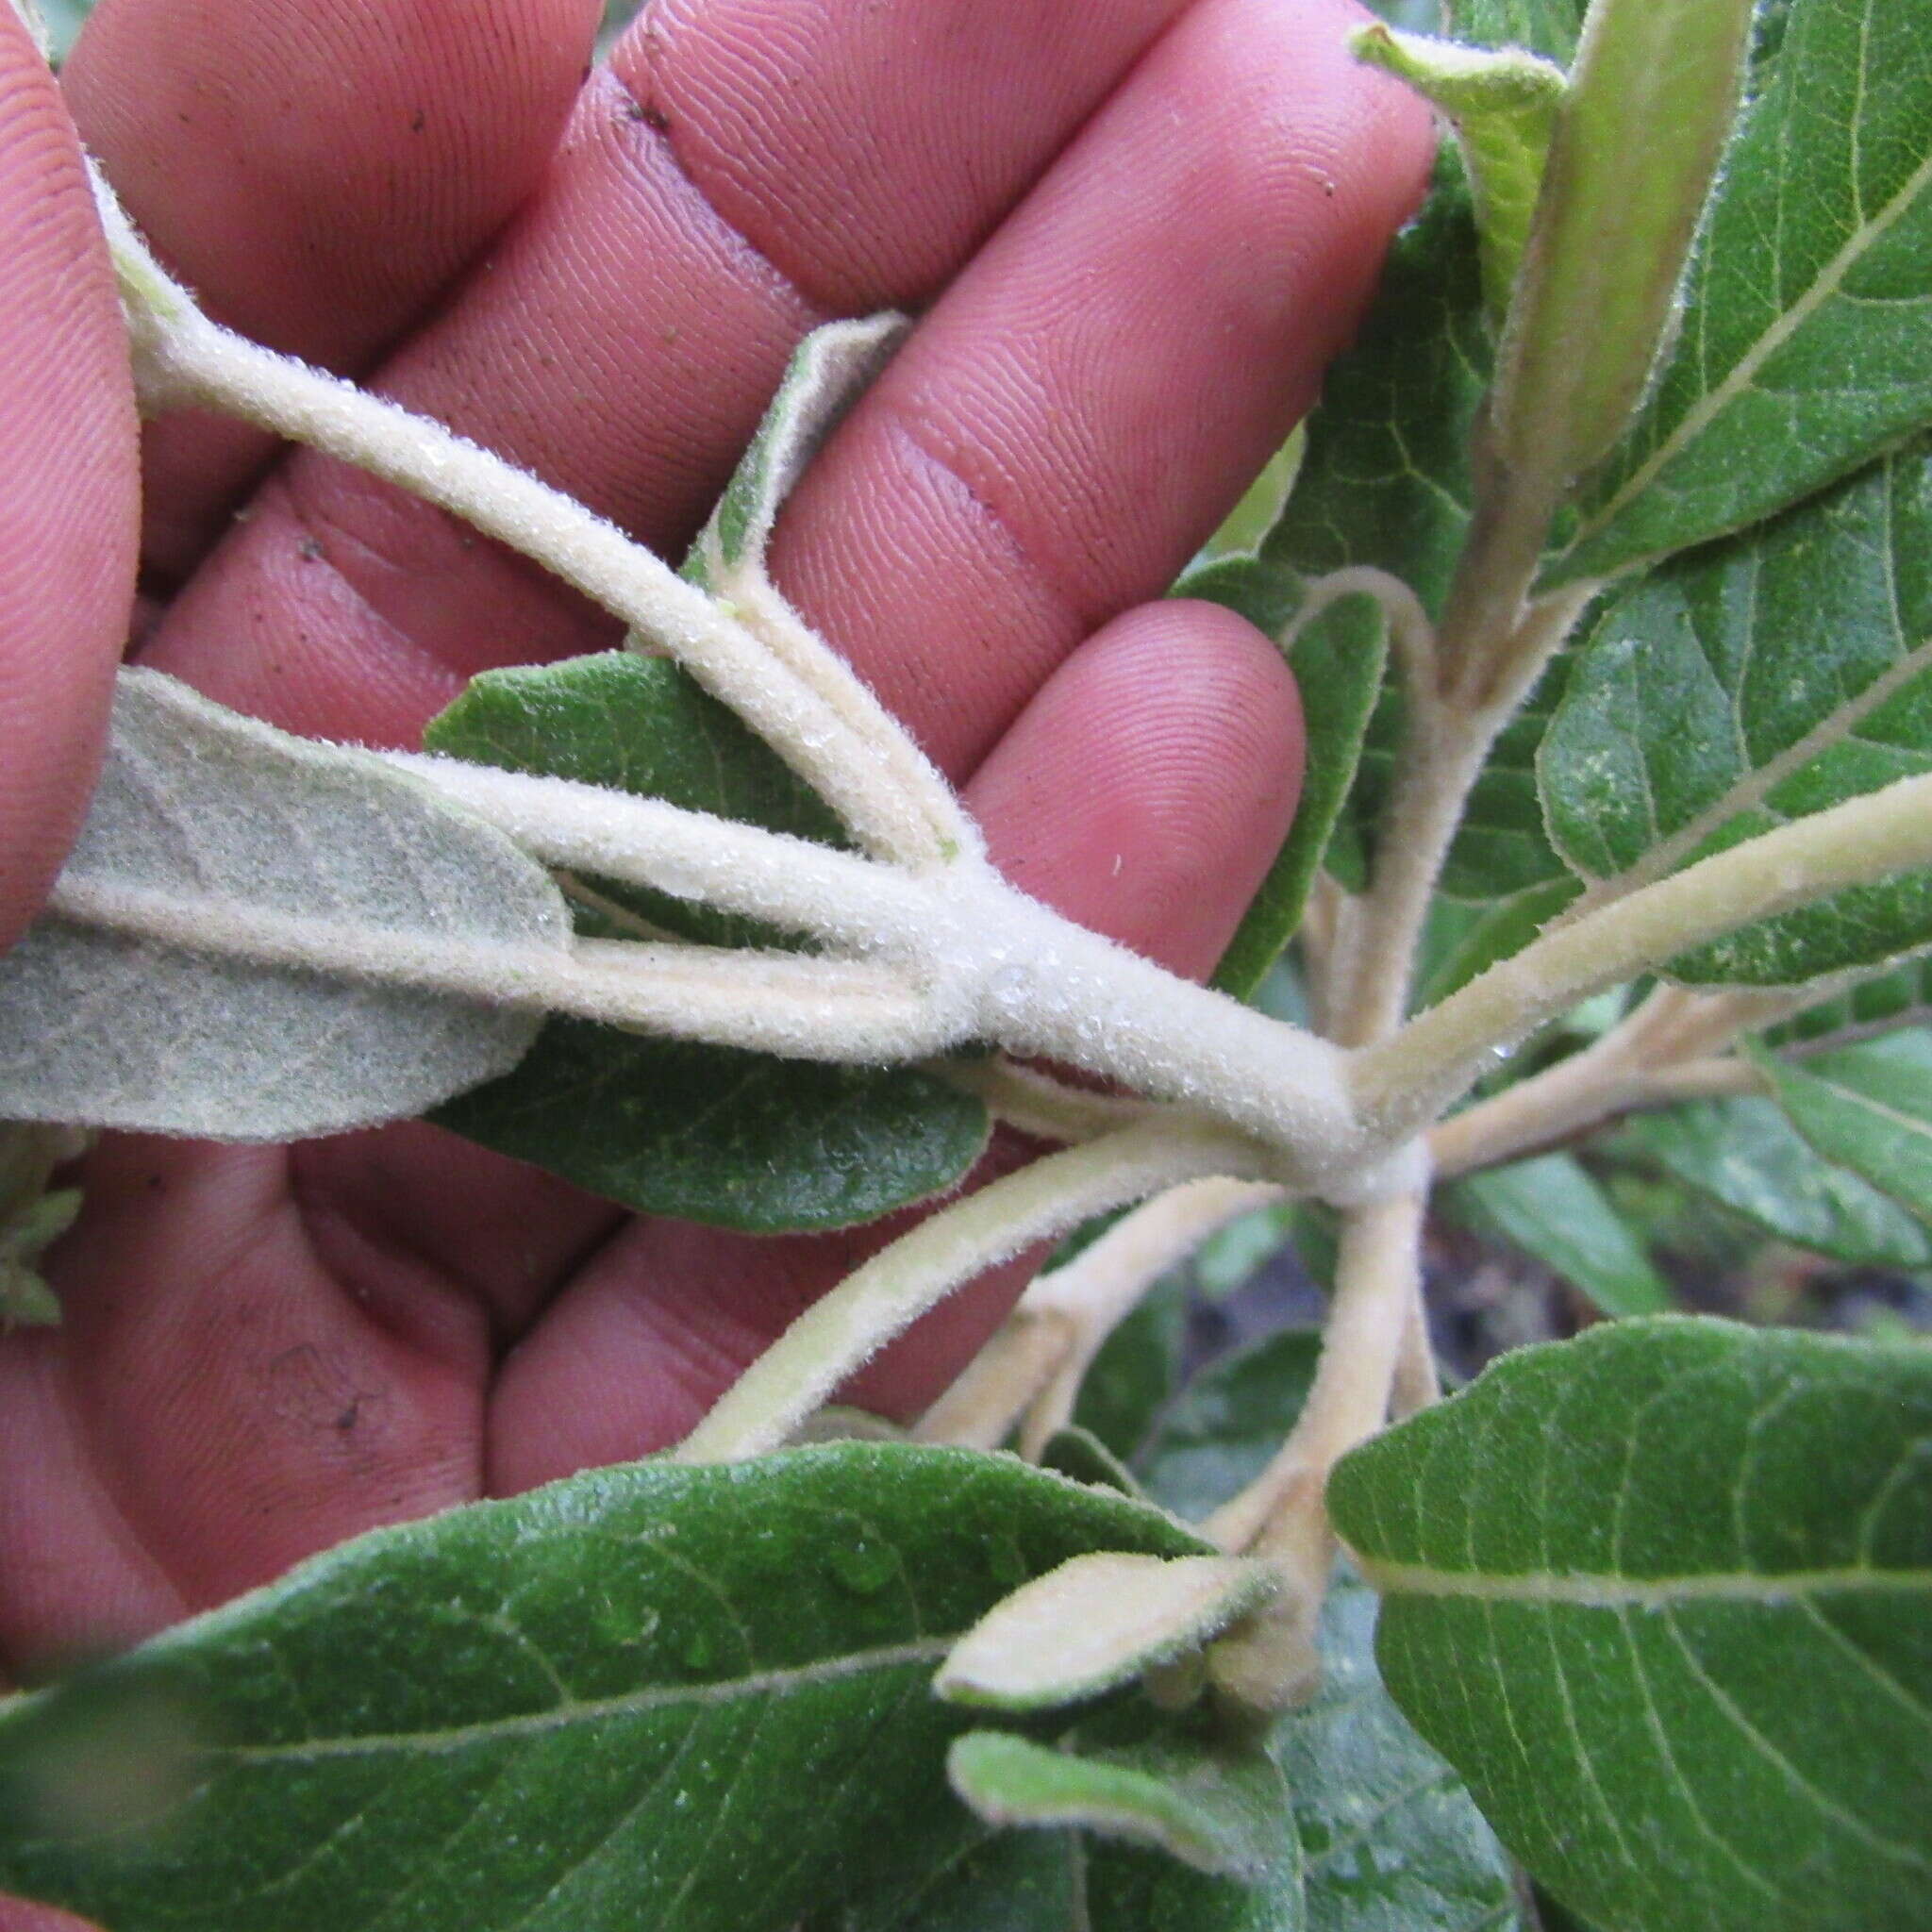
643 725
1868 1109
1746 1155
208 823
664 1696
1661 1594
1338 661
1748 685
1806 340
1390 1840
1223 1811
732 1139
1552 1210
737 1139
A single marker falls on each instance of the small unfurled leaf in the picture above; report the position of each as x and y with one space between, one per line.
1745 1154
1661 1595
1245 527
735 1139
828 371
1095 1623
1551 1210
1502 104
1806 341
729 1138
1338 660
1223 1810
1750 684
647 1696
1649 107
1869 1110
209 829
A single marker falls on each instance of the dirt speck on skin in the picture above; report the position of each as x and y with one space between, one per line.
314 1393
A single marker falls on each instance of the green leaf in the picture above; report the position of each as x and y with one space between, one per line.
206 823
1221 1810
1868 1109
729 1138
1079 1454
1502 107
648 1696
1660 1595
1746 1155
1552 1210
1338 660
1549 27
1750 684
1390 1840
1806 341
708 1133
643 725
1243 531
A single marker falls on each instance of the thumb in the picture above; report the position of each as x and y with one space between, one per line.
68 481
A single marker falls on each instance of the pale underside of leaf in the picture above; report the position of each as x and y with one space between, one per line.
208 827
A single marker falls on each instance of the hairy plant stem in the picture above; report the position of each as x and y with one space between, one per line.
1407 1081
1271 1660
844 1329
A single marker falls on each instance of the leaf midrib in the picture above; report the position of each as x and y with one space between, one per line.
1585 1589
559 1717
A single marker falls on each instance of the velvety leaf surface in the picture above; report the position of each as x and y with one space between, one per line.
1660 1595
221 824
1807 340
734 1139
1552 1210
708 1133
1748 685
1868 1109
1745 1154
665 1696
1338 661
1391 1840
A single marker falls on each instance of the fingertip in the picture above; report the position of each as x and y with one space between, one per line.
69 487
1147 788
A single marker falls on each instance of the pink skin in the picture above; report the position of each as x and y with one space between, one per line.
1138 229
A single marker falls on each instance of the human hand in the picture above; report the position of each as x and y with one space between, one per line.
1137 228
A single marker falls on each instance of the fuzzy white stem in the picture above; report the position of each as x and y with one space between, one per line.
837 1334
980 1409
1036 1103
1281 1517
1104 1284
184 359
1408 1080
803 1008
